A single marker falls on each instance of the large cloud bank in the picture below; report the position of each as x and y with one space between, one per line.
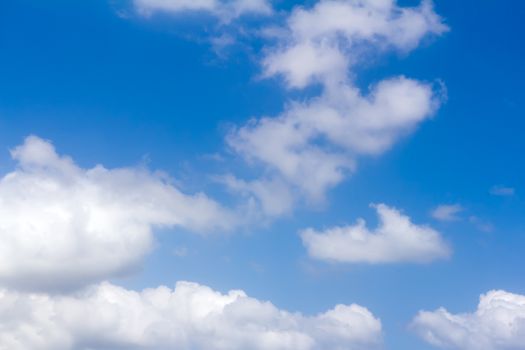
189 317
64 226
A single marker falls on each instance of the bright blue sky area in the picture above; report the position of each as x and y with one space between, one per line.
120 92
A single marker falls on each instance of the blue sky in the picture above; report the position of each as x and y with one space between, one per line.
107 85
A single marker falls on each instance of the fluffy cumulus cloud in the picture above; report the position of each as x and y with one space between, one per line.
225 10
313 145
321 43
64 226
396 239
497 324
190 316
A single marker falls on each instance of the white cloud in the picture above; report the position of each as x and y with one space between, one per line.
503 191
226 10
64 226
322 42
191 316
305 61
396 239
447 212
312 146
497 324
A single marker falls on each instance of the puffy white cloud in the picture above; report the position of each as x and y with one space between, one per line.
190 316
313 145
497 324
396 239
63 226
305 61
226 10
322 42
447 212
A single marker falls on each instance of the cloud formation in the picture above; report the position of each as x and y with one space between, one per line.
396 239
64 226
497 324
313 145
191 317
447 212
321 43
226 10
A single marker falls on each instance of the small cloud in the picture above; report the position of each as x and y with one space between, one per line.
124 14
395 240
500 190
180 252
481 225
215 157
221 43
447 212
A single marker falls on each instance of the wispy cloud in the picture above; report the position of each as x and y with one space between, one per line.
447 212
226 11
501 190
480 224
180 251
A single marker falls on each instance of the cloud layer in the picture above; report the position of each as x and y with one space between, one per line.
396 239
190 317
64 226
497 324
